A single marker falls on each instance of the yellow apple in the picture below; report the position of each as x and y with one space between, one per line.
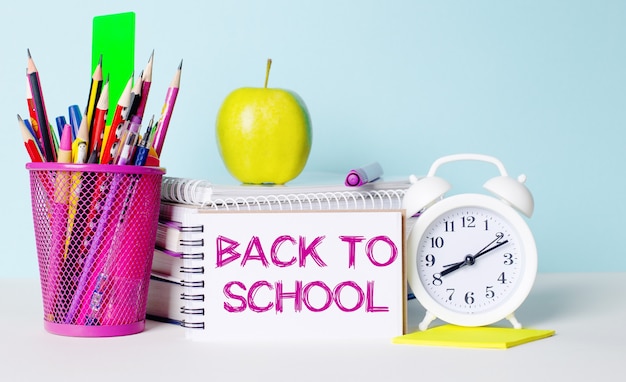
264 134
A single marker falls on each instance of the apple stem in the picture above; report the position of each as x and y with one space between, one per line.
267 71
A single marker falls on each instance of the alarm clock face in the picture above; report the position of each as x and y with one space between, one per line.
472 260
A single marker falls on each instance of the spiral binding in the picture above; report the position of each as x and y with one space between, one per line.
198 192
189 246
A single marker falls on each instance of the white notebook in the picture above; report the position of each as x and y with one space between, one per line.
328 194
291 275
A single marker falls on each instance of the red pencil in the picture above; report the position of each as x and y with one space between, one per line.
113 135
29 142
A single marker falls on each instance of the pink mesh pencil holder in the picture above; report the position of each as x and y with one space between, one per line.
95 230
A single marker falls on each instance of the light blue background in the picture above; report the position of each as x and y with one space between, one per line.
541 85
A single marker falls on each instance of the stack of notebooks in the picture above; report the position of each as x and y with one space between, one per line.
191 210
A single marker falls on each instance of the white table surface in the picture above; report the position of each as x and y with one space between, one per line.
587 310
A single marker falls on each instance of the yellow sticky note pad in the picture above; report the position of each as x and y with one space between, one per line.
473 337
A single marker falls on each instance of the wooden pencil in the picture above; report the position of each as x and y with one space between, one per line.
94 93
112 133
49 149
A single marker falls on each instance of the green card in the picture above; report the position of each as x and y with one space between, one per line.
114 38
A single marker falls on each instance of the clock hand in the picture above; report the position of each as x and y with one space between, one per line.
479 254
485 247
470 260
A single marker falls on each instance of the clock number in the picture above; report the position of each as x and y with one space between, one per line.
437 281
436 242
508 259
451 291
449 226
469 221
502 278
469 298
499 236
486 225
489 293
430 260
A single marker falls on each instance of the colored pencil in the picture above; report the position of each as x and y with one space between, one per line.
32 112
99 121
113 132
166 112
29 142
135 99
49 149
146 81
94 93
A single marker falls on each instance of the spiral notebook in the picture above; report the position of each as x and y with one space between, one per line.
334 254
295 274
330 194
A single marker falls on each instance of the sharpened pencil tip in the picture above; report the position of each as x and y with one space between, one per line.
28 51
181 64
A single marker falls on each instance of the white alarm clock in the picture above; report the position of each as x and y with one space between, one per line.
471 258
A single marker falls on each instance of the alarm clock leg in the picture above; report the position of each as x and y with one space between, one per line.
516 324
428 318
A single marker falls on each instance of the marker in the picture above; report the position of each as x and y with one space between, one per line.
75 119
65 146
363 175
60 121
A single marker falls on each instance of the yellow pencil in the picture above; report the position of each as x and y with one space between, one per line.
94 94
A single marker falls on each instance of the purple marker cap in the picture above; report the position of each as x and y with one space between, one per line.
363 175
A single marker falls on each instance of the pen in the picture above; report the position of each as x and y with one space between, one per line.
166 111
363 175
143 147
49 150
128 148
29 142
114 132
